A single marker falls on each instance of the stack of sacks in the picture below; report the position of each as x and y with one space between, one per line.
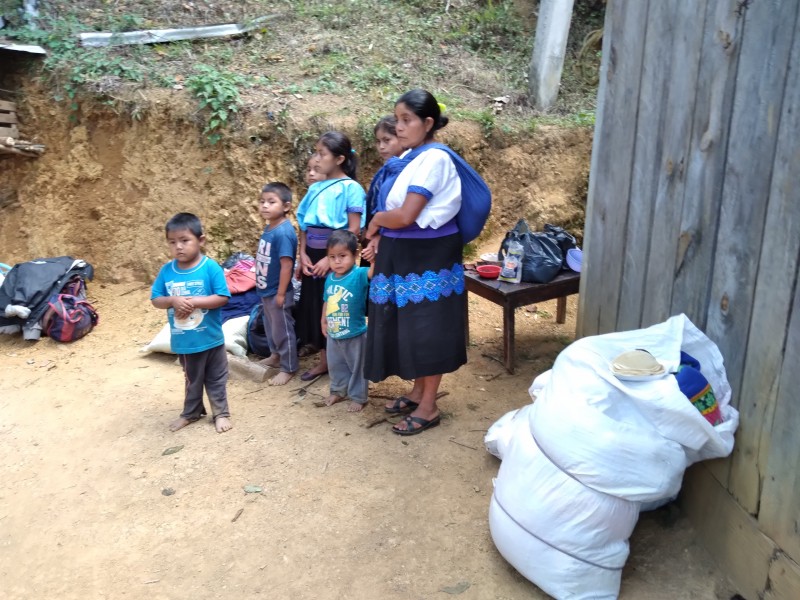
579 463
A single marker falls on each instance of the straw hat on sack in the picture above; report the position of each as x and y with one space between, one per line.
636 363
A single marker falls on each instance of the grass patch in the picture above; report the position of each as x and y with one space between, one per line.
367 52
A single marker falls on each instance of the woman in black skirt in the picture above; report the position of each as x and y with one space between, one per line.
416 312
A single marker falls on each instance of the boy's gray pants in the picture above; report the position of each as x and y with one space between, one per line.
279 328
208 369
346 368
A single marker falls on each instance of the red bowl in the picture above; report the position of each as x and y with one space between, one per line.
488 271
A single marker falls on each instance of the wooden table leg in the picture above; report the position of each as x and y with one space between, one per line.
508 337
561 310
466 318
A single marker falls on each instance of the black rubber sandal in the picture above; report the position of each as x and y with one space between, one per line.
401 406
423 425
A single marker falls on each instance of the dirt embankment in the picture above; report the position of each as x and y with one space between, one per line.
107 182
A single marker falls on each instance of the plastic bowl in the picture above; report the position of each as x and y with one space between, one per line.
488 271
574 259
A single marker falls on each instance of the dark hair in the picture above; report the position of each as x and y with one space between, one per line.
281 190
424 105
343 237
339 145
183 221
389 123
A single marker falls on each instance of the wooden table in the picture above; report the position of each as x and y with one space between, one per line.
513 295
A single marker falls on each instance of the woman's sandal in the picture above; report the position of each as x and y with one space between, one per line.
423 425
309 376
401 406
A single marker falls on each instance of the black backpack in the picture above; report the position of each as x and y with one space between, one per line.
256 334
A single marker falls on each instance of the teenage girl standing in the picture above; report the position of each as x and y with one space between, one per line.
388 146
338 202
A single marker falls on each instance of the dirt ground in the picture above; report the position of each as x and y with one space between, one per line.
346 510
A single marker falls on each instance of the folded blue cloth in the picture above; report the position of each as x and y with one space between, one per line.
240 305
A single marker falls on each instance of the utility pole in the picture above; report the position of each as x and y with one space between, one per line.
549 48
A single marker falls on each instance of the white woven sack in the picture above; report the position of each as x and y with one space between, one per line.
568 539
502 431
631 439
559 574
616 452
234 330
561 511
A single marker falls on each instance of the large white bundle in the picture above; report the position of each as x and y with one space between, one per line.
593 430
579 462
582 378
591 525
559 574
569 539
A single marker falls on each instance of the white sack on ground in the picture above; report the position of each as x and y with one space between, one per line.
501 432
234 330
578 463
562 576
592 526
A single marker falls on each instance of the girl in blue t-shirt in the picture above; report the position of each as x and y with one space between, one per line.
338 202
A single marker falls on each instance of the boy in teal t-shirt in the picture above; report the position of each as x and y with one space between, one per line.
192 289
344 321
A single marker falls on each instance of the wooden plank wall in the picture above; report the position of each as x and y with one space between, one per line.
757 99
765 362
646 161
777 450
706 159
694 207
609 185
779 514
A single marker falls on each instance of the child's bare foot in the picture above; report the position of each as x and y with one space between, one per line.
355 407
272 361
333 399
222 424
281 378
179 423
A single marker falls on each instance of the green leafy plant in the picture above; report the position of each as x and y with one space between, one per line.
470 251
218 93
221 240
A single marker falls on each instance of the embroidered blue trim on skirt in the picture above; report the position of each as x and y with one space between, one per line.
416 288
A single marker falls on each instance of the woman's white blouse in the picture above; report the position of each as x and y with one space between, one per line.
433 175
